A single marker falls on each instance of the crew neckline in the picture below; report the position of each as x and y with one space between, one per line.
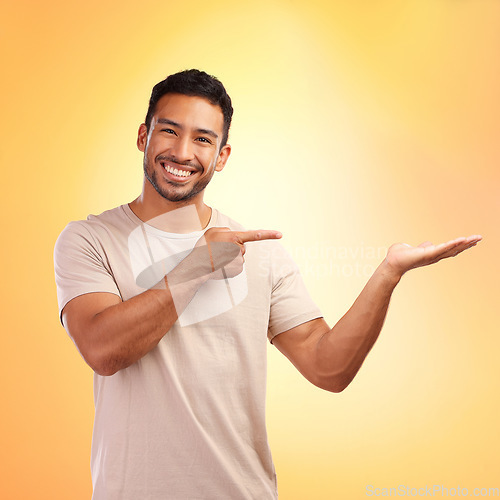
164 234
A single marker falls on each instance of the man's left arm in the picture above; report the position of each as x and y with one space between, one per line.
330 358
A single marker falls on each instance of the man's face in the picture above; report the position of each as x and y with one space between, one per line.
181 149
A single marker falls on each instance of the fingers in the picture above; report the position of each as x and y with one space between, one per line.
455 247
460 244
475 238
258 234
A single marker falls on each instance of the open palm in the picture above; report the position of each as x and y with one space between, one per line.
403 257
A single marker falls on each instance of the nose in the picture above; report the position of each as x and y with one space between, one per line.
182 150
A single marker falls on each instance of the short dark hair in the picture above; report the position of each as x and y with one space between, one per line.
193 82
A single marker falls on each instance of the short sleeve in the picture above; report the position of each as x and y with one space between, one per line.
79 266
291 304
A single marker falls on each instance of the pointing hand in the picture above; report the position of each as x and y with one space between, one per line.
226 248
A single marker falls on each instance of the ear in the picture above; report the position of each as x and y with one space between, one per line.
223 157
142 137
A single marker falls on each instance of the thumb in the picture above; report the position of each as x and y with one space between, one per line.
223 253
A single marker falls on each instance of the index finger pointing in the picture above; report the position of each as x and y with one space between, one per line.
258 234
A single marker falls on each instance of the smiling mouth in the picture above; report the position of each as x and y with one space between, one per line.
177 172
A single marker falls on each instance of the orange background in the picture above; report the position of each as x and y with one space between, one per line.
357 124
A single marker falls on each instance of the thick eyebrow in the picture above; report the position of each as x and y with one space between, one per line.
206 131
166 121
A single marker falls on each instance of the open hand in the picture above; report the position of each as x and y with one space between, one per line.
402 257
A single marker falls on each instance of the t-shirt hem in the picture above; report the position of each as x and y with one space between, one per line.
85 292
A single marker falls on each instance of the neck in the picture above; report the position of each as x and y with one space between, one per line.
171 216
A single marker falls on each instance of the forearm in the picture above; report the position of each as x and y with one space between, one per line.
123 333
341 351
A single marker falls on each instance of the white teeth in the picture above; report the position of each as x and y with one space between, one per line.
175 171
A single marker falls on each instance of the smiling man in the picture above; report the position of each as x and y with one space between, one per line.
187 173
171 303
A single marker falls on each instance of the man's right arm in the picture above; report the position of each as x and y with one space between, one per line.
112 334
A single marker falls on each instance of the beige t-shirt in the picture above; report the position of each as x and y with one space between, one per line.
186 421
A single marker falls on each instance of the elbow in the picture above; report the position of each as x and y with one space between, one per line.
99 354
105 366
333 382
103 369
335 386
101 363
101 357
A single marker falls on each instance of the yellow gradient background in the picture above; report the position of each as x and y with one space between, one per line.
357 124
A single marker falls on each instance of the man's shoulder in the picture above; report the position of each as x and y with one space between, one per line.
95 228
115 217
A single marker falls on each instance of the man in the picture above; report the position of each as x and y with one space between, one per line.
170 302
